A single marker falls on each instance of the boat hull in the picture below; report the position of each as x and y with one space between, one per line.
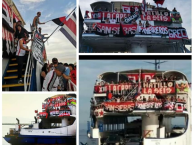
40 140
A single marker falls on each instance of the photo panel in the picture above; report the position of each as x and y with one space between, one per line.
142 100
39 119
39 45
139 26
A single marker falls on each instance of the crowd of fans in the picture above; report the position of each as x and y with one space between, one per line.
21 38
134 83
55 76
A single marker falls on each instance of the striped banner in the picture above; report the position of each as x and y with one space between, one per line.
69 29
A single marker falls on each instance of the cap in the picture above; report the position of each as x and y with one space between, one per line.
54 60
61 68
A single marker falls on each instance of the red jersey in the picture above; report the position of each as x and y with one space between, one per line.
73 76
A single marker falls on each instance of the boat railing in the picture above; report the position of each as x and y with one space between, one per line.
71 86
28 69
132 93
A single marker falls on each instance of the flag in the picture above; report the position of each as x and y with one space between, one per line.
69 29
59 21
144 6
86 14
159 2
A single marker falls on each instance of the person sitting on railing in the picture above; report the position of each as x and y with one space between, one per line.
20 54
44 73
36 21
40 31
51 80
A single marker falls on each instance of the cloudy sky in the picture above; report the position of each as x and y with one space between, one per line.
183 6
90 69
57 45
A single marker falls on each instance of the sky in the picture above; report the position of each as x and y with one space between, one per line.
58 45
90 69
183 6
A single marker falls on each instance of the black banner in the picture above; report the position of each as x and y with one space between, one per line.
38 48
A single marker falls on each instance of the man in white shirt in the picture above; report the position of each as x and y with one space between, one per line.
51 81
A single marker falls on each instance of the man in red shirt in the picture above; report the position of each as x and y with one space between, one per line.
72 73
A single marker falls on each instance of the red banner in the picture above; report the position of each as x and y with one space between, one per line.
43 114
111 15
164 87
130 9
60 104
64 113
158 90
112 88
144 76
156 16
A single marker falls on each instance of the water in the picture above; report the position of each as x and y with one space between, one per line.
5 130
82 136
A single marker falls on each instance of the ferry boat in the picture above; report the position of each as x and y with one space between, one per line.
109 27
152 99
55 125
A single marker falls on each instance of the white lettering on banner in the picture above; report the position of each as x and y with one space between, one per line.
158 13
108 30
158 85
154 30
37 48
177 33
129 30
129 19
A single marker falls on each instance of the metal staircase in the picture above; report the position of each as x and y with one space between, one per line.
10 77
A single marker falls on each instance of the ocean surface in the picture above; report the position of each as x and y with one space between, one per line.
82 136
5 130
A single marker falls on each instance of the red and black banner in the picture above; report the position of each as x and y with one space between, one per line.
163 16
59 21
162 30
118 30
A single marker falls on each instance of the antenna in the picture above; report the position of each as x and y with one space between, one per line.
156 63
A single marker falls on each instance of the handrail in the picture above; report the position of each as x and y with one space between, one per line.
28 69
131 93
69 86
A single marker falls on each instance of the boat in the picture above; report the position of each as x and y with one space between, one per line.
108 28
140 105
55 125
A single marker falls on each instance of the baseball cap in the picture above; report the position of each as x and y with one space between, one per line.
61 68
